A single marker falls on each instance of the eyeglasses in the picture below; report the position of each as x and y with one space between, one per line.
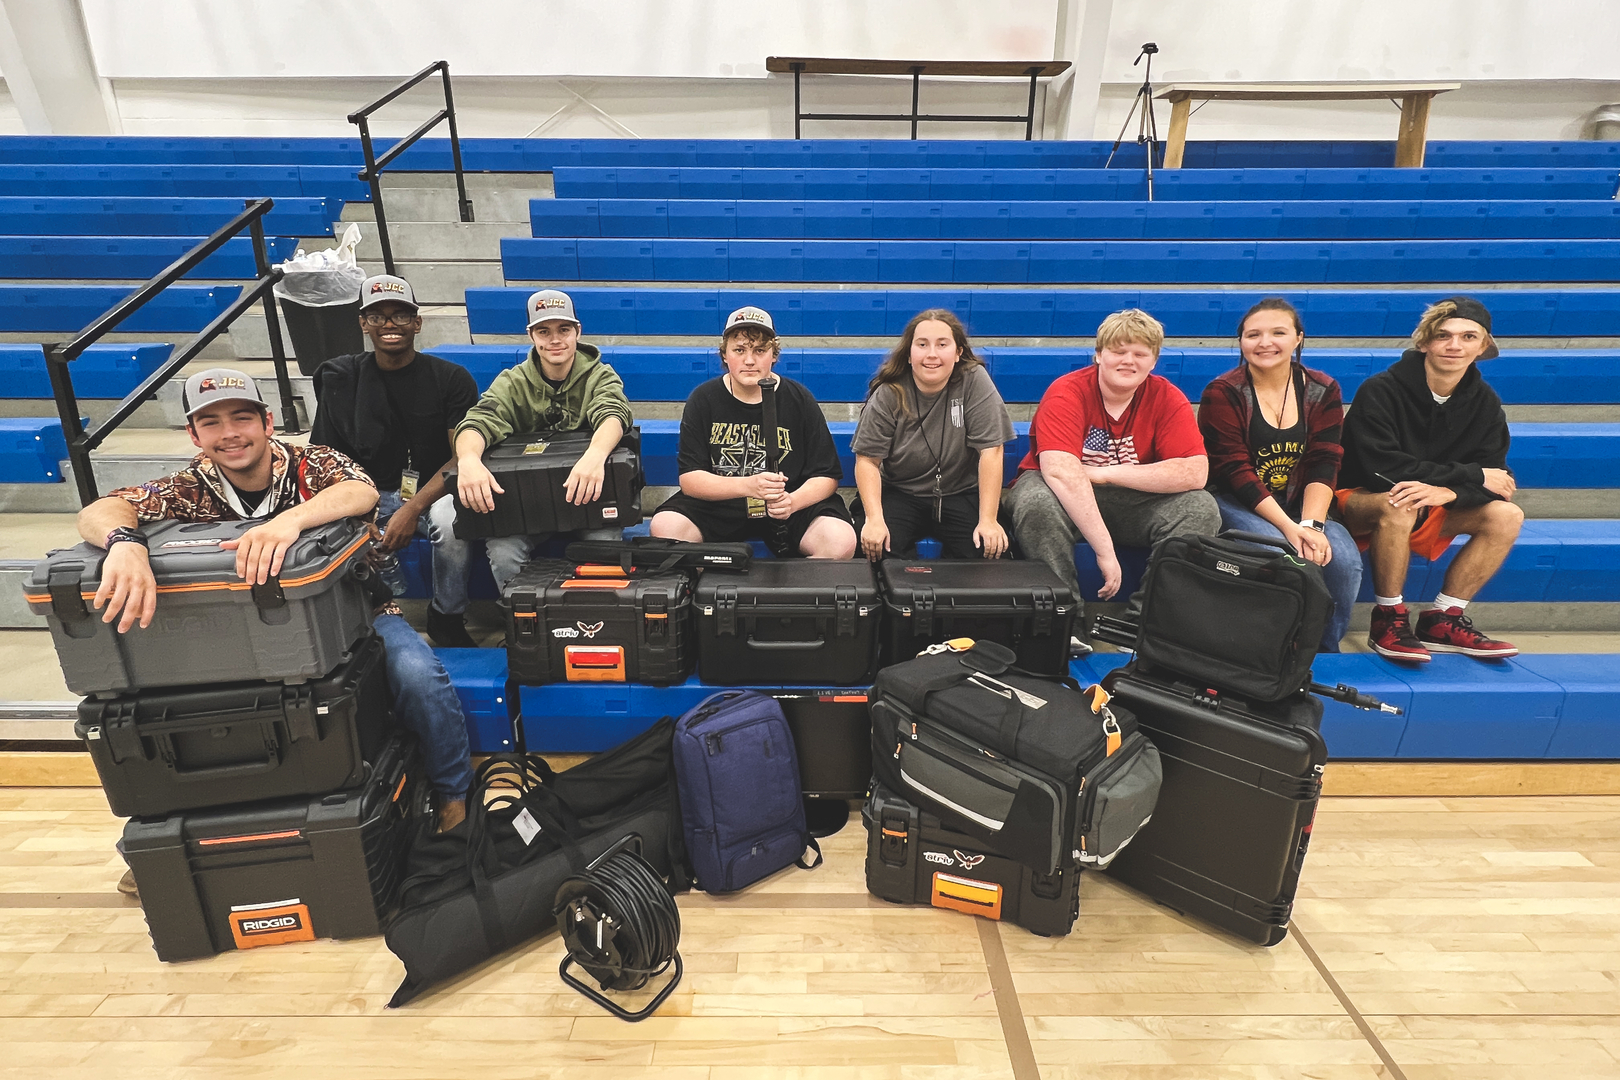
399 318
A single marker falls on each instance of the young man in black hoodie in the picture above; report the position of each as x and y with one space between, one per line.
393 410
1425 460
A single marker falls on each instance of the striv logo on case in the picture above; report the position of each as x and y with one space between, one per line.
591 630
968 861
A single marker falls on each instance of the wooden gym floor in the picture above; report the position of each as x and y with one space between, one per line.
1434 937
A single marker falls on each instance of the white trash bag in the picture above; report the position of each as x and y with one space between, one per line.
324 278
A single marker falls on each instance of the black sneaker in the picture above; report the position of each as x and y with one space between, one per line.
448 631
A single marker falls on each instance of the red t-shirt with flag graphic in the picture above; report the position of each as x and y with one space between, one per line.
1158 424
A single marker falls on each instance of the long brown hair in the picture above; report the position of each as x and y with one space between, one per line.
1273 303
898 362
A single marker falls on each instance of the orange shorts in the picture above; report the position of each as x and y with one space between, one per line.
1430 539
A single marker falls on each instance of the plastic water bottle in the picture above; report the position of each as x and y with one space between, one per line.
393 574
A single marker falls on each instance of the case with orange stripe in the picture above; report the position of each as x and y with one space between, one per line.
585 623
266 873
914 858
211 626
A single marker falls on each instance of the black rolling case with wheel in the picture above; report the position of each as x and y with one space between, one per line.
1241 783
912 858
789 621
159 751
1022 605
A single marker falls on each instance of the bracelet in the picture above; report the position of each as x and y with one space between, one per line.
124 535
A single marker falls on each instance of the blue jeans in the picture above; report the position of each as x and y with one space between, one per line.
1342 574
450 556
507 554
426 704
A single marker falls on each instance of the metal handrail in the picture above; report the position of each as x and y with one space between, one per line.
58 356
375 165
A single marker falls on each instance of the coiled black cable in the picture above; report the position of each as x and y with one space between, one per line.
619 923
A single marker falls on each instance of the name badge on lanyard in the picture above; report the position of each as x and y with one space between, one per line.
408 479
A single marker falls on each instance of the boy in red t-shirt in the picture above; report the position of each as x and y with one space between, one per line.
1115 456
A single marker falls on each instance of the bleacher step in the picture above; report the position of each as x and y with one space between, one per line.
496 197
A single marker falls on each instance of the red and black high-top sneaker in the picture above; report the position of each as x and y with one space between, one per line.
1391 635
1452 631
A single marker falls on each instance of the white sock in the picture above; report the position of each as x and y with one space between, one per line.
1388 601
1442 602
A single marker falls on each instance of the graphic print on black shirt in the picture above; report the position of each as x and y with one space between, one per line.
1278 451
721 435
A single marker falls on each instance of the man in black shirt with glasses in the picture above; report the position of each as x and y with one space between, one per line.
393 410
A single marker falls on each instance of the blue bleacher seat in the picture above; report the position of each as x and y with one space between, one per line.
996 312
992 262
1357 733
565 217
703 218
115 216
596 260
890 184
690 260
837 312
484 362
781 219
636 218
976 220
660 311
588 183
903 304
710 184
907 219
129 257
480 679
1588 727
70 308
1588 562
648 183
101 371
32 449
759 260
1470 709
661 373
838 220
830 375
582 718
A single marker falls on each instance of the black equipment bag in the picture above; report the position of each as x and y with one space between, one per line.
796 621
159 751
913 858
532 467
661 555
1241 784
266 873
1246 620
1020 604
1035 769
594 624
490 883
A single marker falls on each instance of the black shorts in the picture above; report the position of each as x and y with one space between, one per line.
782 537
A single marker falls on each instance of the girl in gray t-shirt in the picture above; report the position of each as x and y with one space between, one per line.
928 448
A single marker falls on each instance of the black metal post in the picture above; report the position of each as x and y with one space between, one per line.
272 323
455 148
374 178
1029 129
67 409
916 83
798 69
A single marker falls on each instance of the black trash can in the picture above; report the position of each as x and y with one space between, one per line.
320 333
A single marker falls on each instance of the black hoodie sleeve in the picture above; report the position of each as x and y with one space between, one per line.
1374 440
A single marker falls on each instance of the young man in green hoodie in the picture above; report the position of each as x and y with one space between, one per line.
563 386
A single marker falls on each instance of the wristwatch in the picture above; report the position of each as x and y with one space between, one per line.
122 535
1312 523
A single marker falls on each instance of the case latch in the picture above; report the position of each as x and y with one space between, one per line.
525 617
922 612
655 614
725 610
844 604
896 832
1045 605
67 602
123 735
298 706
268 596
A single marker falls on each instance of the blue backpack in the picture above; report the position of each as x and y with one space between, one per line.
737 779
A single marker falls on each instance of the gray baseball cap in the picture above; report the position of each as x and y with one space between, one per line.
218 384
749 316
375 290
549 305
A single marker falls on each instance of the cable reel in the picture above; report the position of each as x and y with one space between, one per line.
619 923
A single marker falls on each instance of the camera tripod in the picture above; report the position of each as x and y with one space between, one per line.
1147 132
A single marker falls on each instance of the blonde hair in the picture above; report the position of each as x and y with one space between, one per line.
1133 326
1428 327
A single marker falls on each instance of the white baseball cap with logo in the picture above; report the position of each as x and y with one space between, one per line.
383 287
749 316
218 384
551 305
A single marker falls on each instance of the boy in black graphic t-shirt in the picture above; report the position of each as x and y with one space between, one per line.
727 492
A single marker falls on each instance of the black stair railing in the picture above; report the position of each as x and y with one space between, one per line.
59 357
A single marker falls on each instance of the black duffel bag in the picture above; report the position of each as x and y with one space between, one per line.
490 883
1235 611
1034 769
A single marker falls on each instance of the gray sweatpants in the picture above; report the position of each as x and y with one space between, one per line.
1134 519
